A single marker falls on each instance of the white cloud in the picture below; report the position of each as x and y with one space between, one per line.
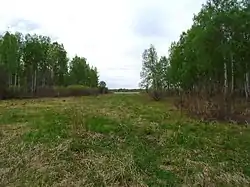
105 32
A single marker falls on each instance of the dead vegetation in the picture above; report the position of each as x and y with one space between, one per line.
214 108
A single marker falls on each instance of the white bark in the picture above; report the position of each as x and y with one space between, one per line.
35 80
15 79
247 84
10 79
32 83
225 79
232 83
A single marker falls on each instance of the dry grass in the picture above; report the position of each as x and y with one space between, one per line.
117 140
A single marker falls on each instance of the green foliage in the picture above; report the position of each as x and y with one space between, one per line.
102 87
81 73
153 72
210 59
32 62
213 53
210 55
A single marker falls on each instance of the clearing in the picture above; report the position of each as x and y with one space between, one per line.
117 140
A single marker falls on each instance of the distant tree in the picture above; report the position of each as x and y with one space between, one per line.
102 86
152 72
81 73
211 57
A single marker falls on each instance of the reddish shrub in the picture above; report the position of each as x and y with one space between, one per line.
212 108
76 90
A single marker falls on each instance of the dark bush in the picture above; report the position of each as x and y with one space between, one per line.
156 94
3 81
74 90
103 90
207 107
15 92
106 90
45 92
78 90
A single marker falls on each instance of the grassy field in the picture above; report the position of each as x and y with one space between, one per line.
117 140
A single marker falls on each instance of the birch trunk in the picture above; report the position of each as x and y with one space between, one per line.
15 79
225 90
35 80
247 85
232 81
32 82
10 80
225 80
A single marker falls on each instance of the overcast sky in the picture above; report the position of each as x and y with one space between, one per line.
111 34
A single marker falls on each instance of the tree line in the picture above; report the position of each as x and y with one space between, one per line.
210 58
35 61
125 90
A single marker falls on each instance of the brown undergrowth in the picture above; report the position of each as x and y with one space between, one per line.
215 108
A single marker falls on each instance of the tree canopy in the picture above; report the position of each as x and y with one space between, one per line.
32 61
212 55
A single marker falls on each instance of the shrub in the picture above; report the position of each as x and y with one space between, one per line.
79 90
156 94
45 92
103 90
74 90
3 81
214 107
15 92
77 87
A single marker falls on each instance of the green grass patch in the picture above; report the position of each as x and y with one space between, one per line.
101 124
49 127
117 140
